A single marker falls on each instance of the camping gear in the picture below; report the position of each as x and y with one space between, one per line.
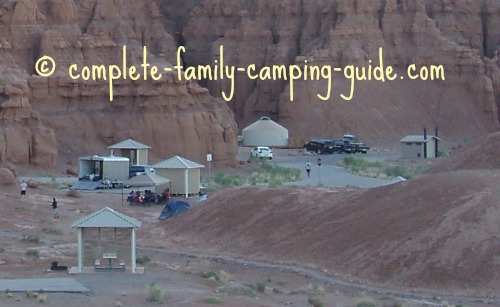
173 208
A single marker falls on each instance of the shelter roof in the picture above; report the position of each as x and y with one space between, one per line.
107 218
177 163
129 144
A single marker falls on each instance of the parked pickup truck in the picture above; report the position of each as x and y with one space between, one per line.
358 145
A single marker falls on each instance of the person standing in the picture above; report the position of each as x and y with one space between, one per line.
308 168
54 208
24 186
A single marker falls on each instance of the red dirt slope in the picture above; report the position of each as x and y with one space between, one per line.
433 232
481 154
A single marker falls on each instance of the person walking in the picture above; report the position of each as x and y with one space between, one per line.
24 186
54 208
308 168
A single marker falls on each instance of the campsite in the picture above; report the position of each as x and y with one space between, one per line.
249 243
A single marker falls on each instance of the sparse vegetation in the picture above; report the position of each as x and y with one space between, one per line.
210 276
41 298
310 289
228 181
315 302
265 173
281 283
142 260
52 231
154 293
366 303
32 253
381 169
213 300
237 289
35 238
261 287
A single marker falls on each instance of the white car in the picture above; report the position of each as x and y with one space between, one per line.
262 152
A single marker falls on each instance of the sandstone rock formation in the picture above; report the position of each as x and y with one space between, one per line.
57 118
7 178
463 36
177 116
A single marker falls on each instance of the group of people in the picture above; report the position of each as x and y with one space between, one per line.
135 197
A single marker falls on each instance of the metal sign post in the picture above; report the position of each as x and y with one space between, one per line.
319 171
209 159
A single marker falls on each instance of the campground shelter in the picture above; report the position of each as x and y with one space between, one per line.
104 219
265 132
109 167
135 151
184 175
419 146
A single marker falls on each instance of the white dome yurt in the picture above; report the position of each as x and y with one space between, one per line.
265 132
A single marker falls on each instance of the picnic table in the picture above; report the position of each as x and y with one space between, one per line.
110 257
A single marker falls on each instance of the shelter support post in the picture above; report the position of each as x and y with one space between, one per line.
80 250
132 250
186 182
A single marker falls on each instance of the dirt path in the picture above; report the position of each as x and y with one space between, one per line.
430 299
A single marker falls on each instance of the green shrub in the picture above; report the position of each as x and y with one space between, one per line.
315 302
155 293
395 170
366 303
210 275
142 260
213 300
32 253
261 287
242 290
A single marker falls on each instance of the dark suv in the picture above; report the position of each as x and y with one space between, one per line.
320 146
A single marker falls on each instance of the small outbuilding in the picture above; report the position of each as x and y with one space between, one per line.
95 168
135 151
265 132
184 175
419 146
117 227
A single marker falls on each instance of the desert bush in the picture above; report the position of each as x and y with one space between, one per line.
213 300
261 287
210 276
41 298
315 302
366 303
154 293
35 238
310 289
394 170
142 260
228 181
52 231
32 253
237 289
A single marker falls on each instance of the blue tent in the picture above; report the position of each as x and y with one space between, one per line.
173 208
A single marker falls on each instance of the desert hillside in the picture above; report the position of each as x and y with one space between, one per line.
46 120
437 231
